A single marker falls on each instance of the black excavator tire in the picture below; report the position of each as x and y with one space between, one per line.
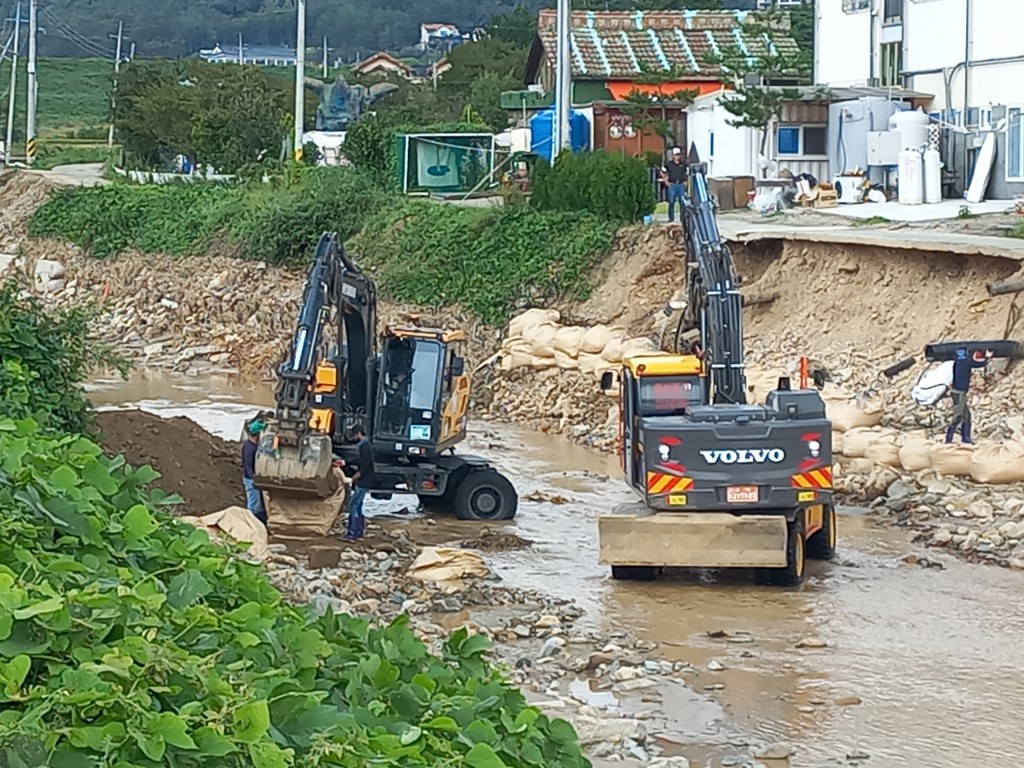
485 495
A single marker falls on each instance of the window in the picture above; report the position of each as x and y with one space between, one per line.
410 369
802 140
893 12
1015 144
665 396
892 64
849 6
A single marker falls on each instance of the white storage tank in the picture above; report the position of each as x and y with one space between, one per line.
932 176
910 182
912 127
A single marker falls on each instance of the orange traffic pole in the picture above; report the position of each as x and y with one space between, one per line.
803 372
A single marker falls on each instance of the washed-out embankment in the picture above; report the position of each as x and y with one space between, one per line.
853 310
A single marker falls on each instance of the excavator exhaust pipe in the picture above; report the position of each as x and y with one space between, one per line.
297 472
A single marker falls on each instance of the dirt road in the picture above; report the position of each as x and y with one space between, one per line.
882 658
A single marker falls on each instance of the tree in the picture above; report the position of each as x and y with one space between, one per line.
518 28
648 109
756 70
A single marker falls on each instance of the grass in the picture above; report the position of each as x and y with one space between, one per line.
1018 230
74 98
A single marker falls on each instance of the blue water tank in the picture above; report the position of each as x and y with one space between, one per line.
541 131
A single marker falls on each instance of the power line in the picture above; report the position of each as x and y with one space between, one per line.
63 30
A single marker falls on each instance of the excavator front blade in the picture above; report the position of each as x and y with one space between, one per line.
302 472
693 540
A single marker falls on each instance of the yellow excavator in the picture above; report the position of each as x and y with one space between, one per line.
723 483
410 397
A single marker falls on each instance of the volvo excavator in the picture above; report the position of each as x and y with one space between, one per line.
408 391
724 483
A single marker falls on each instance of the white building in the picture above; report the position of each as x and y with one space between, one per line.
443 36
968 54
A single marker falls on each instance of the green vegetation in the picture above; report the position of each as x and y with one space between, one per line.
488 260
1018 230
277 222
53 154
616 187
43 359
128 639
74 98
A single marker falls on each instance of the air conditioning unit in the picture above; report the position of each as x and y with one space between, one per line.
849 189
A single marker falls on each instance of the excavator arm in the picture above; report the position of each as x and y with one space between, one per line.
324 384
716 306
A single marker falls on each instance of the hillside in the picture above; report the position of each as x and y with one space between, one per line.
353 27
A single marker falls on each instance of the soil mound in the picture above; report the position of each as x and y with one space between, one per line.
203 469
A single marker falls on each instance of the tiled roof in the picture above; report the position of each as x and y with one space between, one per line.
624 44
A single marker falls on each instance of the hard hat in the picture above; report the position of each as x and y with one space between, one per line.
255 427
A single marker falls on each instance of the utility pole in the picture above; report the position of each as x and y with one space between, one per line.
14 83
30 133
560 134
300 78
326 49
241 58
113 92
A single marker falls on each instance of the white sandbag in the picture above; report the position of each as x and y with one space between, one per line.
953 460
933 384
541 338
638 345
539 363
519 324
837 443
612 352
857 441
852 414
761 382
915 453
885 450
448 564
998 463
46 271
591 363
568 340
565 362
510 361
595 339
859 466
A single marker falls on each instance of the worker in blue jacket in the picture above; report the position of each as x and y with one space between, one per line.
963 366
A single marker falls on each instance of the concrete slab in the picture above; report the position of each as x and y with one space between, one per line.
912 239
947 209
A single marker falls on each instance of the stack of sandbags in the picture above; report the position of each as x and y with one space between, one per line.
916 453
952 460
848 412
538 341
998 463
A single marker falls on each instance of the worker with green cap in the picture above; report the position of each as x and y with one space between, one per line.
253 496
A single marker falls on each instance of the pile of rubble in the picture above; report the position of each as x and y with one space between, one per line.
535 636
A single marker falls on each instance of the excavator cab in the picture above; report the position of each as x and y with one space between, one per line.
423 392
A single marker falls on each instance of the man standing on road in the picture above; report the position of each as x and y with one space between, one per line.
962 368
253 496
360 482
673 176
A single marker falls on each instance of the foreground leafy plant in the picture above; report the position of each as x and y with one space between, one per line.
128 639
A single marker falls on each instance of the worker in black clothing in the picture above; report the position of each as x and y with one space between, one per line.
962 368
673 176
360 483
253 495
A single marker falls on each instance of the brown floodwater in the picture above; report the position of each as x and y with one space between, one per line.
921 666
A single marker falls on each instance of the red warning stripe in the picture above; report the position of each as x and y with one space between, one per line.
659 482
816 478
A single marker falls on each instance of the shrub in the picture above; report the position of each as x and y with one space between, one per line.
610 185
43 358
489 260
127 638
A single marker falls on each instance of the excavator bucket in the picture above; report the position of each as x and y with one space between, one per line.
693 540
302 472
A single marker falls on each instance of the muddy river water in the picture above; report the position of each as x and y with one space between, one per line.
921 666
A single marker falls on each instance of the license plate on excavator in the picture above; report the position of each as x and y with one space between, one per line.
741 494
